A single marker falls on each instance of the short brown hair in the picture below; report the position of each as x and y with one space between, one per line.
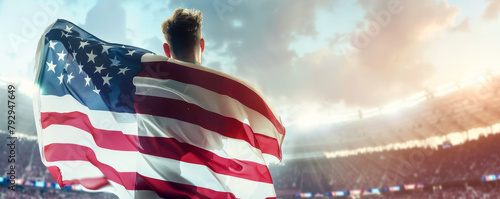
182 30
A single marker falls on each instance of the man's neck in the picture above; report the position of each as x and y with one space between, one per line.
190 61
187 59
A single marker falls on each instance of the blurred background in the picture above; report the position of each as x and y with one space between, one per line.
381 99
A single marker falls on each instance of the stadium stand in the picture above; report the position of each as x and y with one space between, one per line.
454 166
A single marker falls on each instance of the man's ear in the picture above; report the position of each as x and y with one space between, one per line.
166 48
202 44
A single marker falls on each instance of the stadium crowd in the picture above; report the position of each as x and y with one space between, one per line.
467 162
482 191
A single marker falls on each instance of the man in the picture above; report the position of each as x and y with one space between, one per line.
182 33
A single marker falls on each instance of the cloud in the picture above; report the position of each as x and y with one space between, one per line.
107 20
389 65
462 27
491 12
155 45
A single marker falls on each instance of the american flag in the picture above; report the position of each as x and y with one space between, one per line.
117 118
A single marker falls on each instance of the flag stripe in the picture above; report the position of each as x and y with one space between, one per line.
214 82
115 140
209 100
157 146
59 152
109 120
172 149
74 170
184 111
152 126
174 171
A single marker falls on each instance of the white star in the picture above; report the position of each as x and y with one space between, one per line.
61 55
68 29
115 62
83 44
130 52
98 69
69 45
52 44
64 34
96 90
123 46
66 67
74 55
91 56
81 68
87 80
106 80
60 79
51 66
70 76
123 70
105 49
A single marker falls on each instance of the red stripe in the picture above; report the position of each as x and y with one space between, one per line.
164 147
130 180
213 82
115 140
191 113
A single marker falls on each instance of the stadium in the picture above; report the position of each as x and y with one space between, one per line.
439 143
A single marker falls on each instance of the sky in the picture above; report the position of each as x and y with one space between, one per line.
316 61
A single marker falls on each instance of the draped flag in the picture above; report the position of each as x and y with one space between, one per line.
117 118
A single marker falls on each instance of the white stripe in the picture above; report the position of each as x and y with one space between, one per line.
161 168
76 169
153 126
124 122
208 100
157 58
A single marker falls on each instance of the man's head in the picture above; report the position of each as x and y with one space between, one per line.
182 33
